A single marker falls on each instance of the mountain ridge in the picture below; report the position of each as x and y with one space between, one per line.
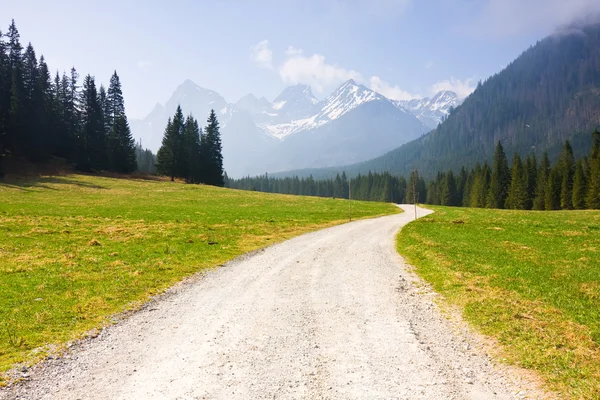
264 126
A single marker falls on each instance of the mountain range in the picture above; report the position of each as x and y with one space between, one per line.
296 130
549 94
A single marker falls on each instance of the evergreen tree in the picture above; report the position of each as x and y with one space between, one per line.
539 202
191 138
579 187
500 179
212 152
448 197
553 189
171 159
92 141
531 177
115 105
517 193
121 147
566 167
593 192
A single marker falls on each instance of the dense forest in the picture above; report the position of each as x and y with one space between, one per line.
549 94
44 116
188 153
525 185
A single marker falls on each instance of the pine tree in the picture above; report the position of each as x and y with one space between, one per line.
14 46
593 191
500 179
566 165
191 138
539 202
212 152
115 103
553 189
92 141
106 120
531 174
171 155
579 187
448 197
517 193
121 147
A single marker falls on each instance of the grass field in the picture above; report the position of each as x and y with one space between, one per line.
529 279
76 249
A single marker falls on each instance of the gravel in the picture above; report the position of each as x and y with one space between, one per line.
333 314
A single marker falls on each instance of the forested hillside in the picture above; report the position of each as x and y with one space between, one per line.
526 184
44 115
551 93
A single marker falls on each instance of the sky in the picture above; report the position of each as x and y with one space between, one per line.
401 48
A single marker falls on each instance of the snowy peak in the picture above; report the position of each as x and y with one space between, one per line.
193 97
347 97
431 110
295 102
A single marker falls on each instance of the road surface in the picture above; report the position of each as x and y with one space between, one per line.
333 314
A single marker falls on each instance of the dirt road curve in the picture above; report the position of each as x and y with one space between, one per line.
328 315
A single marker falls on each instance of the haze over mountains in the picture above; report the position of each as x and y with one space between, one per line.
549 94
297 130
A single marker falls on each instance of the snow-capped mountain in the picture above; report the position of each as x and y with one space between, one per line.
295 102
431 110
297 130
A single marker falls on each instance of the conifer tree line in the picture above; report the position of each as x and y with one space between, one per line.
371 187
189 153
43 116
524 184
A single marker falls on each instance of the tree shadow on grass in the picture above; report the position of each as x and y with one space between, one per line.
42 182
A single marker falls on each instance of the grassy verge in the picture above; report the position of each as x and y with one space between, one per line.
76 249
529 279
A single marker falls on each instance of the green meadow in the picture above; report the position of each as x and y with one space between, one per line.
76 249
531 280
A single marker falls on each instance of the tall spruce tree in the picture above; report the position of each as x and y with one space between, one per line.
191 139
566 165
517 193
92 141
121 146
212 152
579 187
115 103
593 191
531 172
553 189
500 179
171 155
539 202
449 194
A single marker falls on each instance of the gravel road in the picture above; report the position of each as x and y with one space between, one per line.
333 314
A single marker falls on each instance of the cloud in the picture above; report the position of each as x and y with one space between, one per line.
461 88
262 55
513 17
313 70
389 91
429 64
143 63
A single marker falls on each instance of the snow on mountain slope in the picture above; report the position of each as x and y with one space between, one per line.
347 97
431 110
